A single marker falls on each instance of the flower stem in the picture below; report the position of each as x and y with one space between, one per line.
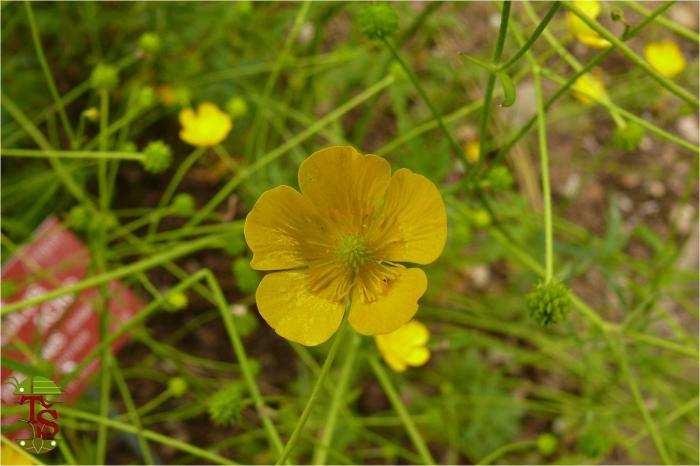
340 389
488 94
401 410
47 74
294 438
531 40
416 83
71 154
544 169
239 351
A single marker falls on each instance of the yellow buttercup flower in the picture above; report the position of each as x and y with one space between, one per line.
207 127
343 238
405 346
580 30
471 150
665 57
589 88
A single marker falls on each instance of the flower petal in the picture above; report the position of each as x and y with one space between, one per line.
393 308
283 230
286 304
186 116
414 221
344 185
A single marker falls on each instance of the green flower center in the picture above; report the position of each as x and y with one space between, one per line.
353 252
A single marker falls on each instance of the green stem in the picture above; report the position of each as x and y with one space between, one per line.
619 352
544 169
634 58
36 39
667 23
149 434
145 264
488 94
401 410
71 154
239 350
133 413
294 438
419 87
531 40
339 390
505 449
274 154
173 184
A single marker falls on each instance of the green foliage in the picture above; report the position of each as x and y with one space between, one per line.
377 20
225 405
247 279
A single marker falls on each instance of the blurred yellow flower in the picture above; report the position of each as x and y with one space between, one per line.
665 57
405 346
206 127
13 455
471 150
580 30
342 237
589 88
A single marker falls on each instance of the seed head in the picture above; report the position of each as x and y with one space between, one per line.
177 386
149 42
104 77
183 204
378 20
549 302
157 157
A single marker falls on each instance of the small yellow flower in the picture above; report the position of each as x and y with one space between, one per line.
580 30
590 88
343 238
405 346
471 150
207 127
665 57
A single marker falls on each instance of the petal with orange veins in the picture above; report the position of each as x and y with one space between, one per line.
413 224
394 307
345 185
287 305
284 231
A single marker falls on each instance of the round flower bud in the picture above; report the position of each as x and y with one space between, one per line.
183 204
78 218
236 107
177 386
101 221
498 178
547 444
549 302
481 218
628 137
156 157
145 97
378 20
149 42
175 301
104 77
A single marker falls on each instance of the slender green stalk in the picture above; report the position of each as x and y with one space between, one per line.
172 186
531 40
490 84
321 452
36 39
419 87
149 434
619 352
634 58
294 438
401 410
71 154
665 22
544 170
276 153
95 280
239 351
132 412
